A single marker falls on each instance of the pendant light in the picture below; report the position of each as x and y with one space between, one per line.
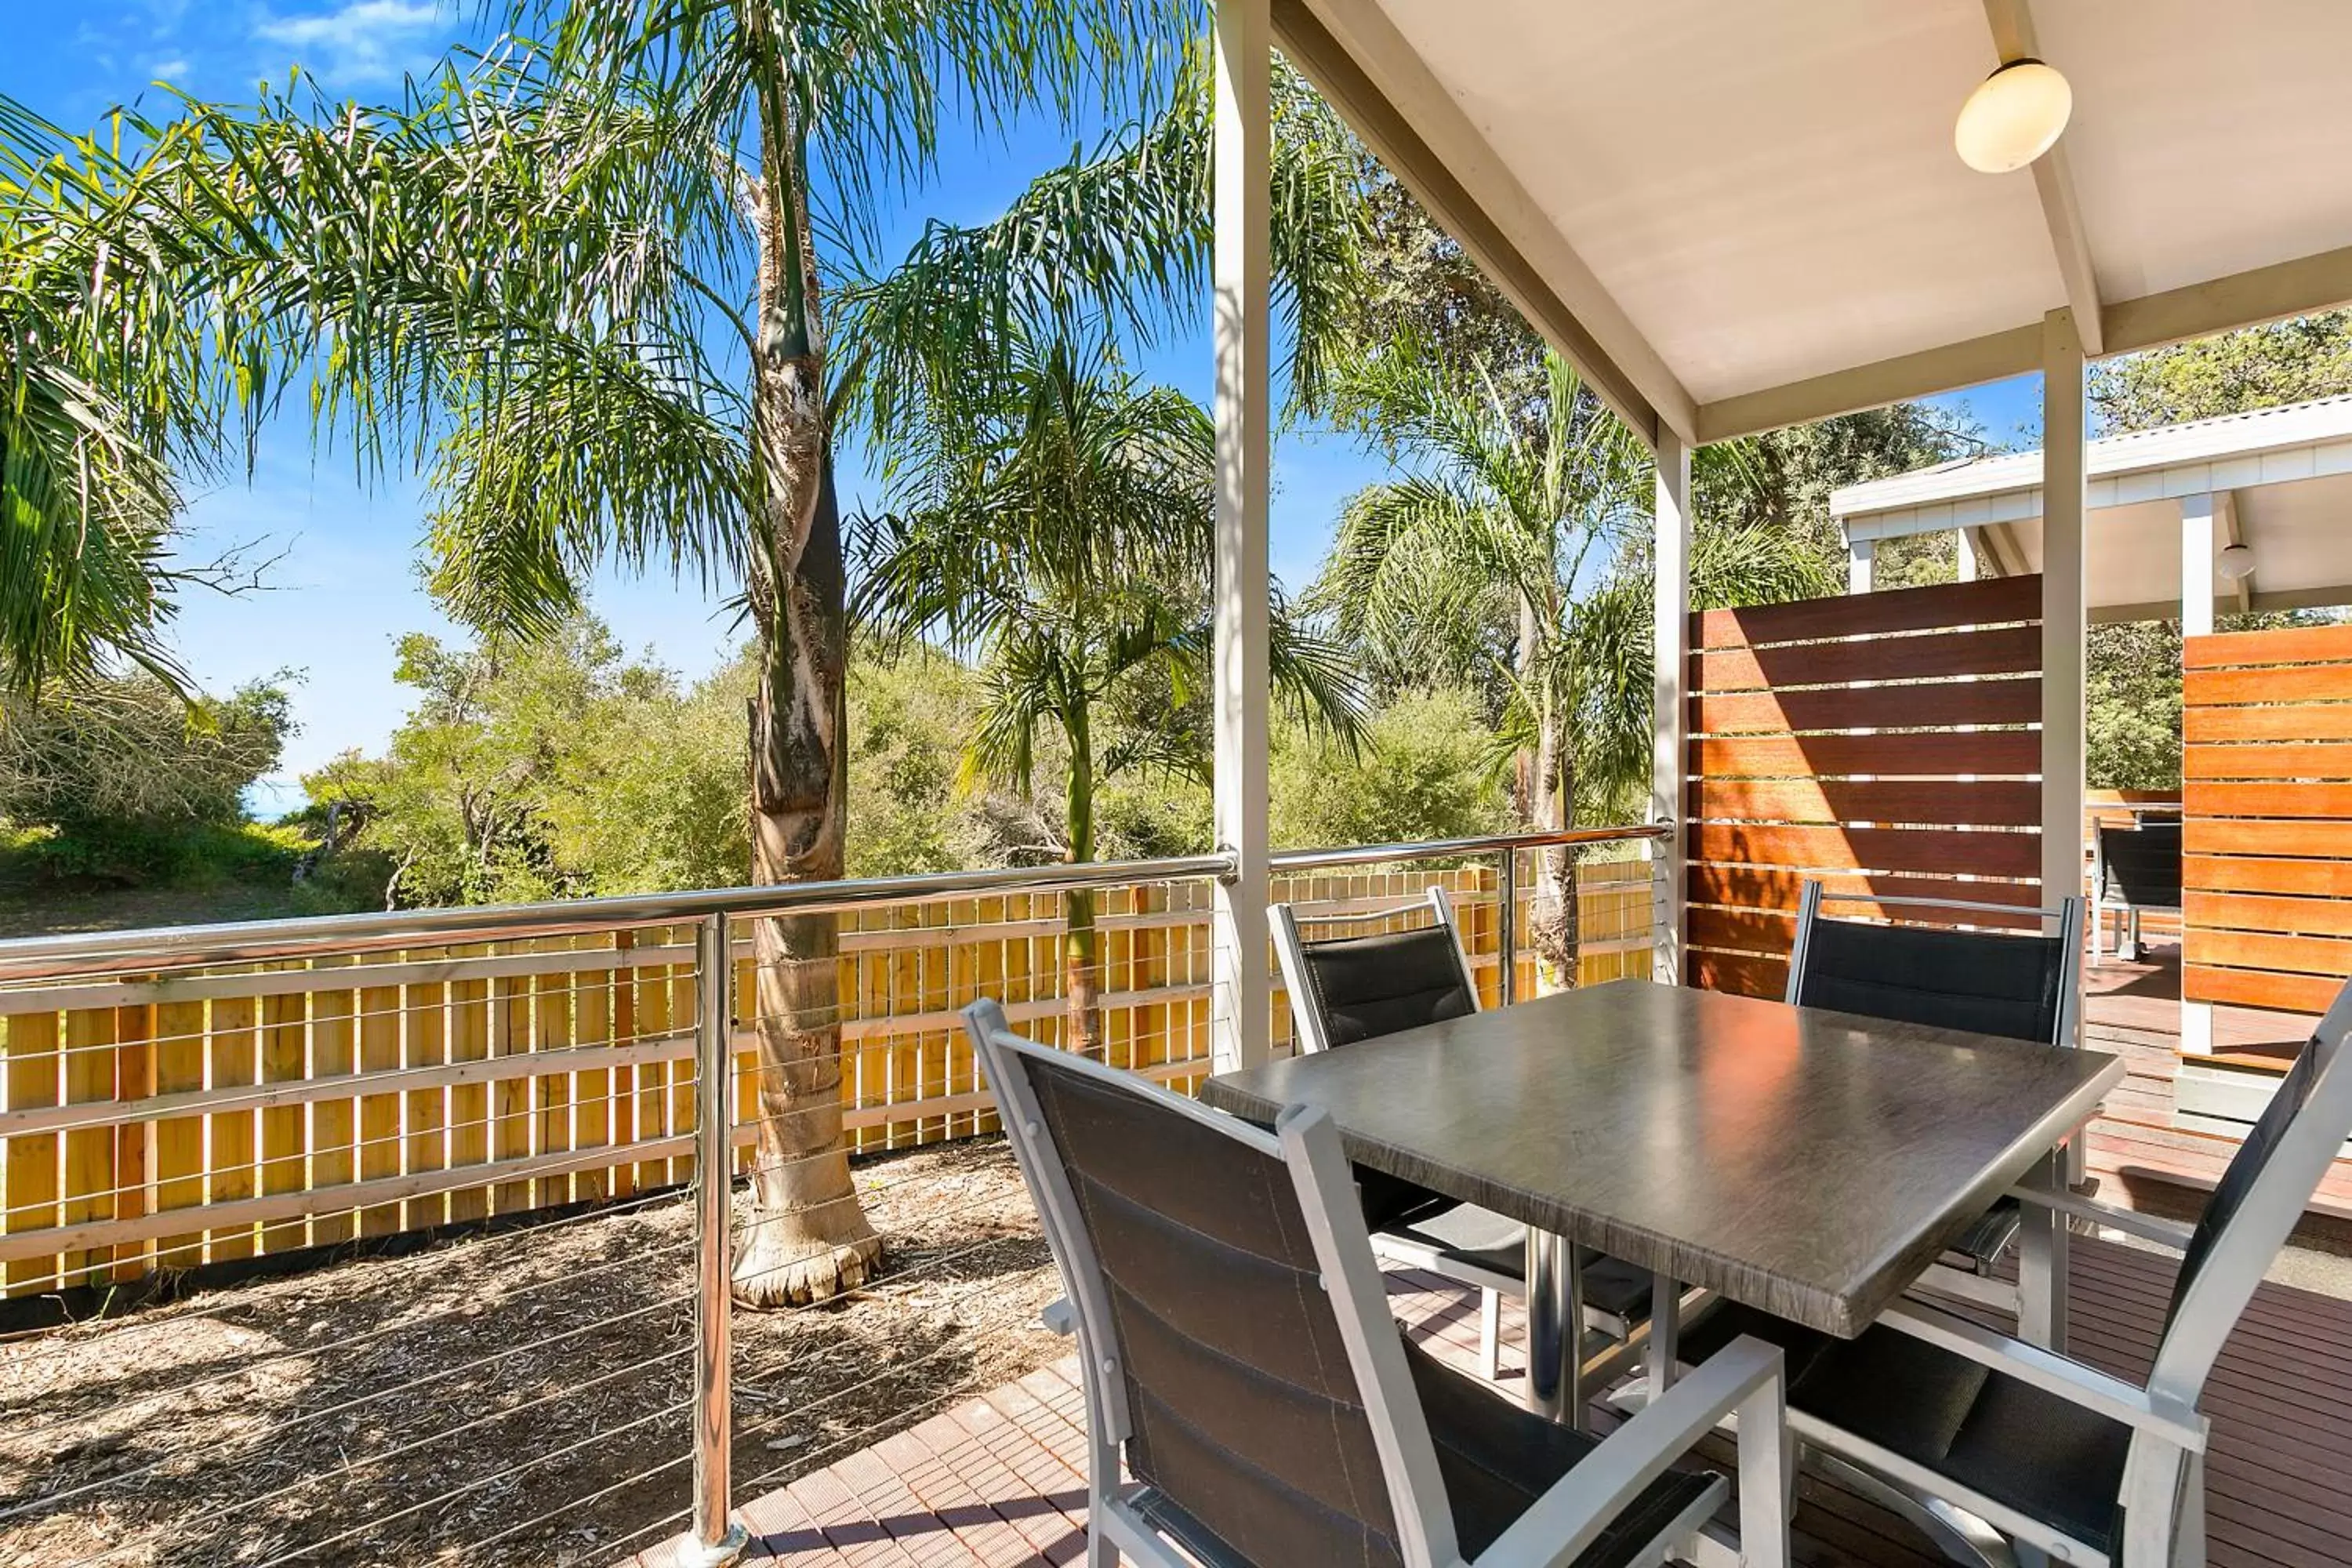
2013 117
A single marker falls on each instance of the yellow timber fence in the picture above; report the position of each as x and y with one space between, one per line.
161 1122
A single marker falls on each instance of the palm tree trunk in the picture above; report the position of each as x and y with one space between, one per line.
808 1238
1081 946
1555 917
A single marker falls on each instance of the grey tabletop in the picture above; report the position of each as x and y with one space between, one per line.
1807 1163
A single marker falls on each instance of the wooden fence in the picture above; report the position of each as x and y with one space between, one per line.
2266 866
162 1123
1886 744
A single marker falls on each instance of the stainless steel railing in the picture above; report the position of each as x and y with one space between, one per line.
712 914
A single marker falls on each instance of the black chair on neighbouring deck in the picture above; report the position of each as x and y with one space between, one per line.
2134 870
1240 1363
1348 989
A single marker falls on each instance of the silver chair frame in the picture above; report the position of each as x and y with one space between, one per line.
1743 1385
2163 1496
1627 1337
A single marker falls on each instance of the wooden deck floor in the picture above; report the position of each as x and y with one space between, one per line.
999 1480
2142 1158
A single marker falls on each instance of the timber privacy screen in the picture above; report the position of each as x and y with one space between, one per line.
2267 796
1888 744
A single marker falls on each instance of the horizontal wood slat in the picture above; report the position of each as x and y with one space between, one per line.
2286 722
2283 645
1744 930
2327 802
1910 706
2247 874
1928 802
1740 974
2288 683
2284 760
2285 954
1986 602
2255 988
1769 887
1926 851
2005 650
2276 836
2245 911
1925 753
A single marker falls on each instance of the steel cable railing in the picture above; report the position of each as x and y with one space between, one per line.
374 1410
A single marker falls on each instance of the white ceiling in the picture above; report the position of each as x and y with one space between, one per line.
1767 189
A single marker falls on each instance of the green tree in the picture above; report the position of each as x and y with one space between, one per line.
1065 535
1424 770
124 770
2235 373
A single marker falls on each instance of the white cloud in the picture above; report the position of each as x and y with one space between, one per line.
362 41
170 70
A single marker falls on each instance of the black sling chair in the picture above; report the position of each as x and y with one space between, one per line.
1347 989
1238 1356
2089 1469
2017 984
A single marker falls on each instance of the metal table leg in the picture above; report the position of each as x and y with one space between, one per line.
2041 1245
1555 1328
1666 1334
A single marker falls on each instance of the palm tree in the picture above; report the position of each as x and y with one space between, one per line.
1509 556
1064 532
580 284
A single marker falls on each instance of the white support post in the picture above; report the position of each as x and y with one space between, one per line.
1964 554
2198 545
1240 991
1670 719
1860 557
2066 627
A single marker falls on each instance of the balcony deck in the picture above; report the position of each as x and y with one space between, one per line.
1000 1480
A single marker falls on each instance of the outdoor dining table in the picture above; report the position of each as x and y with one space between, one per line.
1807 1163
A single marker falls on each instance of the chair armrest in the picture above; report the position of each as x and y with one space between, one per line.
1743 1379
2094 1390
1059 1317
2164 1231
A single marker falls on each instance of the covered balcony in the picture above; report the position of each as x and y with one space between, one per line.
450 1199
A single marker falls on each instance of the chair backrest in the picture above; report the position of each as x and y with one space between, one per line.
1347 989
1233 1324
2019 985
2140 866
2256 1204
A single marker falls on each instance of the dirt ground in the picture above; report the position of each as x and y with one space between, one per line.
517 1398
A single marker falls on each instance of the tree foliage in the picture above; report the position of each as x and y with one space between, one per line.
131 751
2234 372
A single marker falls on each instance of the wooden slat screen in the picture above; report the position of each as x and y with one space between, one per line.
2266 870
1886 744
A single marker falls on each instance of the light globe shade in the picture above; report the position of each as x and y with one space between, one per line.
2013 117
2236 562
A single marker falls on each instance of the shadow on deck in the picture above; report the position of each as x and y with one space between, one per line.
1000 1480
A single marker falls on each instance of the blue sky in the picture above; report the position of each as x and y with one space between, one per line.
345 584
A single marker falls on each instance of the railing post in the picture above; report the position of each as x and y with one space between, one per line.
719 1538
1507 924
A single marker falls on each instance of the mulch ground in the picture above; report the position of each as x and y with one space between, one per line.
516 1398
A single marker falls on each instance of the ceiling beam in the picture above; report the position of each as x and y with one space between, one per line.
2054 181
1365 68
2296 287
1988 358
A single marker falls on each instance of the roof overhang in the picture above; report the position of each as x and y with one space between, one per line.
1737 217
2280 481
